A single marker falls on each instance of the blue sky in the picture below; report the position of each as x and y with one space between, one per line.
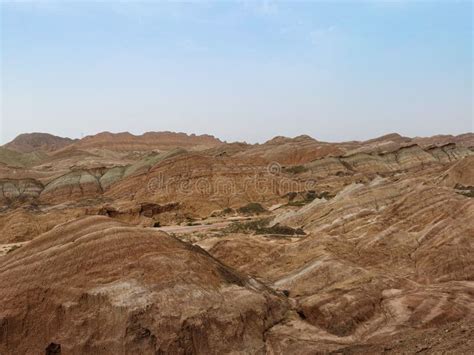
241 70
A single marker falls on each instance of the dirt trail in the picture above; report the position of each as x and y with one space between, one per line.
196 228
204 226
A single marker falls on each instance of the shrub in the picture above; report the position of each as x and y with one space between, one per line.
225 212
298 203
297 169
280 230
191 224
310 195
467 191
260 226
252 208
302 198
292 195
13 248
247 227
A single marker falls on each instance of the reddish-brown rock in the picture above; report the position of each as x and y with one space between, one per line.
98 286
30 142
386 256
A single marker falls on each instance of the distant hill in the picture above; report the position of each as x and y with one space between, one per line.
462 140
29 142
148 141
125 141
286 150
18 159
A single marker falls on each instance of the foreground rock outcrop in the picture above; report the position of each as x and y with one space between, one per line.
379 257
98 286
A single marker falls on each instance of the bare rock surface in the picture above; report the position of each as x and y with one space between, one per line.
29 142
147 141
379 257
98 286
175 243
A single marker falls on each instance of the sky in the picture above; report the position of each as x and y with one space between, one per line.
239 70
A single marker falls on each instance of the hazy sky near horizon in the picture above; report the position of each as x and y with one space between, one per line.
240 70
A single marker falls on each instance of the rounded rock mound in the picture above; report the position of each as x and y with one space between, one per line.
98 286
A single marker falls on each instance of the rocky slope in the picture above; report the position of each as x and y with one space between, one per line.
378 258
125 141
97 286
202 177
292 151
311 247
147 141
31 142
14 159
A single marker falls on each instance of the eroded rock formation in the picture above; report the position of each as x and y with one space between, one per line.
98 286
353 247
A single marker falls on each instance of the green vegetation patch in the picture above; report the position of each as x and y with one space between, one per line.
247 226
252 209
467 191
261 226
296 169
280 230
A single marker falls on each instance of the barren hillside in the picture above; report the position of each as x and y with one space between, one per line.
175 243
